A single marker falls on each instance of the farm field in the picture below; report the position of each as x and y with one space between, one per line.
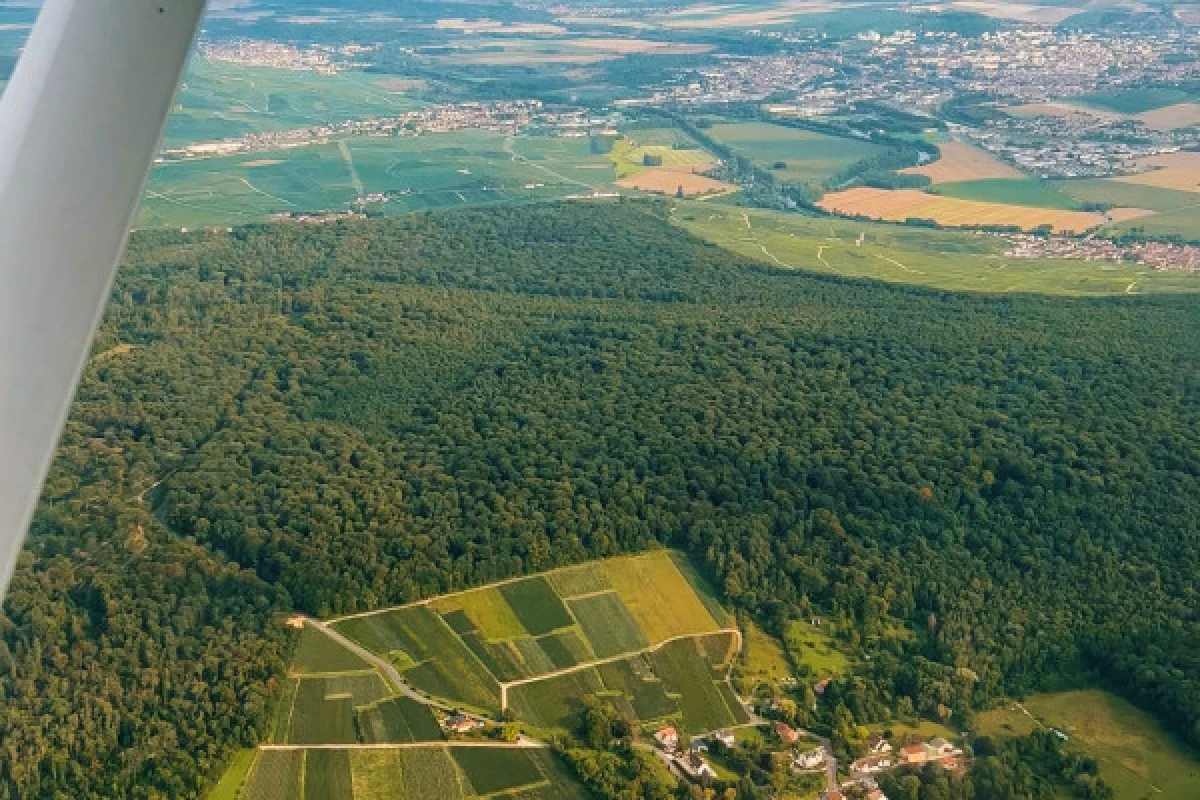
231 783
629 155
1137 758
462 168
675 183
898 205
439 773
950 260
1179 171
1021 192
807 156
219 100
960 161
763 660
399 719
636 629
277 775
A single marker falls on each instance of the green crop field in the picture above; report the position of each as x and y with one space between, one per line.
686 673
327 775
554 702
608 625
1136 756
808 157
318 653
647 694
562 784
318 719
629 156
461 168
901 254
565 649
575 581
490 770
1014 192
491 614
234 777
1135 101
277 775
430 773
444 666
658 596
537 606
399 719
763 660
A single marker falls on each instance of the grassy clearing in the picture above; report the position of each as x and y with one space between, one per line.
608 625
812 647
327 775
807 156
493 616
1021 192
231 783
658 596
763 660
948 260
540 610
1136 756
277 775
317 653
687 674
399 719
490 771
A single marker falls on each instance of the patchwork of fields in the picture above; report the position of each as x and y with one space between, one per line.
640 631
432 772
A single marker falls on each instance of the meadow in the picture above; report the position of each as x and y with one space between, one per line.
1020 192
1136 756
277 775
949 260
806 156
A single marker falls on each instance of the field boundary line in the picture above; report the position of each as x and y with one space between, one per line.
504 687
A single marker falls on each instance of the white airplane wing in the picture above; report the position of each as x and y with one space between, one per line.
80 124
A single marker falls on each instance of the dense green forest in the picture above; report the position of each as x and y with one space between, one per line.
369 412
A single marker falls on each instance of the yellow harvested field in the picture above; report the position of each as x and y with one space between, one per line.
1126 214
1169 118
732 16
1179 171
963 162
664 180
897 205
659 597
262 162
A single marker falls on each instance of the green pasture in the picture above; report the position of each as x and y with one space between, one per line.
1137 757
811 646
686 673
1018 192
1135 101
809 157
554 702
234 778
948 260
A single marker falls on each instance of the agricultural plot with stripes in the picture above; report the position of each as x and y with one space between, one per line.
642 631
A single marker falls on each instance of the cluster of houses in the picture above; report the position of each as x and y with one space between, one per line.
881 756
838 794
691 762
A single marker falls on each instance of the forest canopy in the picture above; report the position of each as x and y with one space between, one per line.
336 417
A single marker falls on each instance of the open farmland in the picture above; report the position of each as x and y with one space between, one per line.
1022 192
631 155
1173 117
660 180
792 155
277 775
963 162
440 773
1179 171
327 775
899 205
1137 758
951 260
